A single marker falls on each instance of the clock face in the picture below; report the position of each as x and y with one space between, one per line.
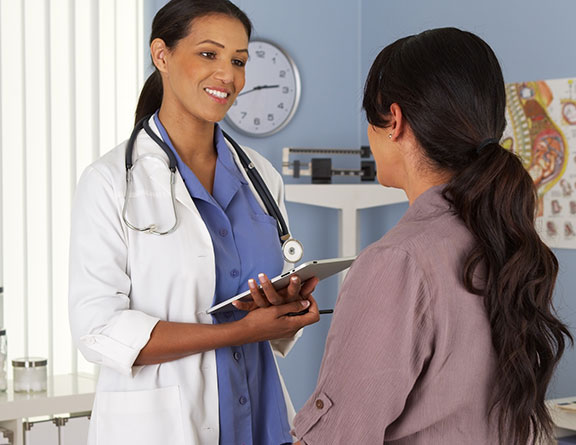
271 93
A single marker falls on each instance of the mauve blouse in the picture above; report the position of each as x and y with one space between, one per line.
408 358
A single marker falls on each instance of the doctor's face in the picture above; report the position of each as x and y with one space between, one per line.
204 72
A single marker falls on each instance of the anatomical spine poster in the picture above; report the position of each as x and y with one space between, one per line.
541 129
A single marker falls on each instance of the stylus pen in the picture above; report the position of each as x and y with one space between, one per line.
305 311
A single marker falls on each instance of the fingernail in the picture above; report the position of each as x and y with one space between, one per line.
261 276
294 279
305 303
252 283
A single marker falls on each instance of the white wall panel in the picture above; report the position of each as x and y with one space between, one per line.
70 73
85 62
37 184
13 175
108 74
128 56
62 139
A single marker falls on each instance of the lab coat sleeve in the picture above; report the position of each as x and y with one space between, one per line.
379 342
103 326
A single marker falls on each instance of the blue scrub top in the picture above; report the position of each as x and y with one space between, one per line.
251 402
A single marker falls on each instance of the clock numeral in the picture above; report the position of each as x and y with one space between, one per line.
282 73
256 121
274 60
260 53
235 103
285 90
281 105
270 117
243 113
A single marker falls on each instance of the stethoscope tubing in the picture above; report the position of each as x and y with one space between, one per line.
261 188
247 164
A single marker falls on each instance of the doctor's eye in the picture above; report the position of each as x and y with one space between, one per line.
208 54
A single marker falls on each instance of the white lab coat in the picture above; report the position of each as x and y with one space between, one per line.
122 282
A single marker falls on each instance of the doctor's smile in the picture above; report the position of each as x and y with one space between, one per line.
218 94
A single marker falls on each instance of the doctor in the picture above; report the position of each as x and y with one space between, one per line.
169 373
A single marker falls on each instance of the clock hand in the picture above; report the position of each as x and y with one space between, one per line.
259 87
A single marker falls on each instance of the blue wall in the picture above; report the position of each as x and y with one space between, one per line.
333 43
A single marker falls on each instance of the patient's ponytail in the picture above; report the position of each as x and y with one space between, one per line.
496 198
449 86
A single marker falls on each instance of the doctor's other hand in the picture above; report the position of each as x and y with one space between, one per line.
267 295
273 322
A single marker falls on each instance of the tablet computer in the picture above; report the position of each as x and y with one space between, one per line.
315 268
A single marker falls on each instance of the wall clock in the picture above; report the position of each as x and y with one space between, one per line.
271 93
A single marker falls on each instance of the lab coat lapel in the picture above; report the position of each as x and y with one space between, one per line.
160 172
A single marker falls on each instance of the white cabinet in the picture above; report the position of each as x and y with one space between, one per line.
41 433
62 429
565 420
56 416
75 431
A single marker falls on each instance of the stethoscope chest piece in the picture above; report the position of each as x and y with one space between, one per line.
292 250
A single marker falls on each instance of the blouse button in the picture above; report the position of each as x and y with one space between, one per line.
223 232
319 404
242 400
234 273
237 356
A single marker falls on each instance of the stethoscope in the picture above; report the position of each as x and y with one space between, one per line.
292 249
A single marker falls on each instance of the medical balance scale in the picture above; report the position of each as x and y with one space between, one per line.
347 198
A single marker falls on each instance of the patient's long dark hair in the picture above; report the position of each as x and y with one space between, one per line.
449 86
171 24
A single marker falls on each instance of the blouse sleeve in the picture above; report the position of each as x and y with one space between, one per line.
378 344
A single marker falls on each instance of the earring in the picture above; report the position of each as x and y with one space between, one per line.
389 135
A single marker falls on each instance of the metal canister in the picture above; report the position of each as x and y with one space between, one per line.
30 374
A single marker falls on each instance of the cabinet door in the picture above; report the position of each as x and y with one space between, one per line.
41 433
75 431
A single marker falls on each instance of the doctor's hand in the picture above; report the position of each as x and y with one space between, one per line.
268 296
273 322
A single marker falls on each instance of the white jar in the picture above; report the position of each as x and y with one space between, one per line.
3 360
30 374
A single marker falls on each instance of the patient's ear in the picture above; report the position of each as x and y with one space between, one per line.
397 122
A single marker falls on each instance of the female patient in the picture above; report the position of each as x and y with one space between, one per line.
444 332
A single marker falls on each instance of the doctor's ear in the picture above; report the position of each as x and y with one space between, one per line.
158 51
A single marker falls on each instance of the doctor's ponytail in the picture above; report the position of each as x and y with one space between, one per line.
171 24
150 96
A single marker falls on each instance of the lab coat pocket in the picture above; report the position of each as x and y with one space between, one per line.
313 411
148 417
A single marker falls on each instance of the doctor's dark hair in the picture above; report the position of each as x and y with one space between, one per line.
171 24
449 86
